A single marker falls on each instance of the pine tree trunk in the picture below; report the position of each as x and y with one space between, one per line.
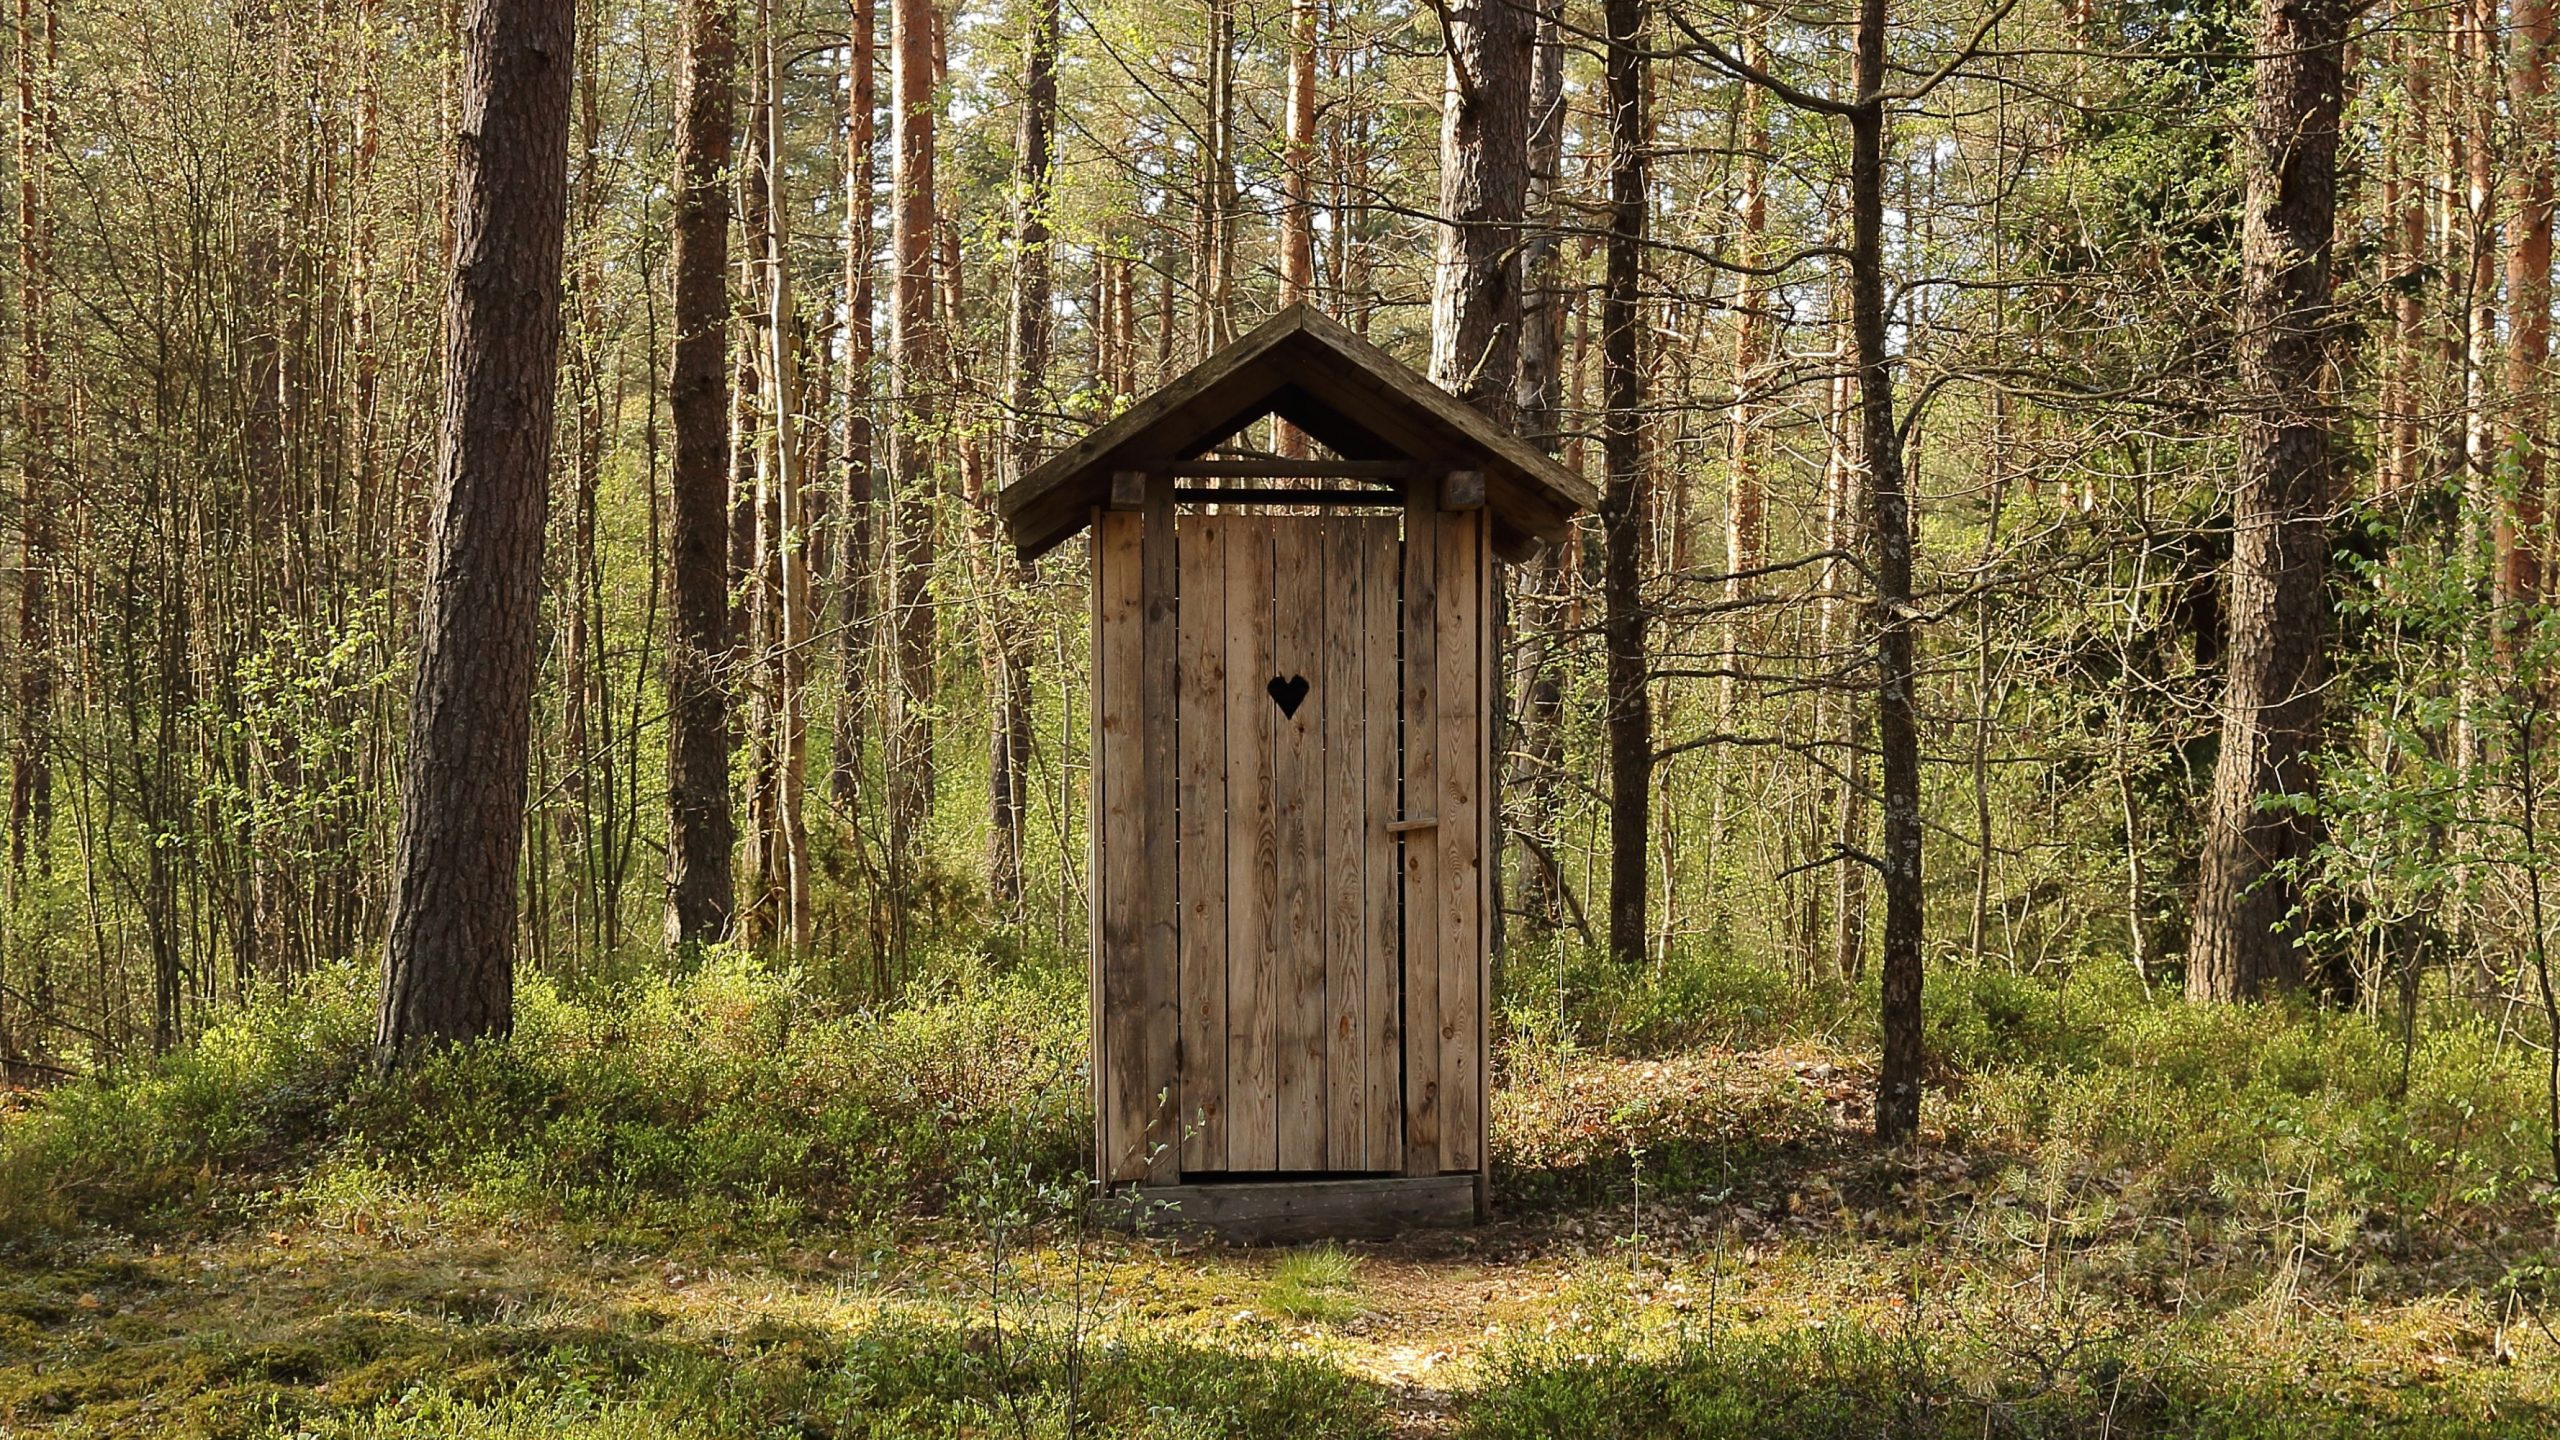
2277 607
1213 258
448 969
1297 170
30 760
1538 404
2520 536
1027 366
1622 502
858 576
915 431
1297 183
702 827
1484 177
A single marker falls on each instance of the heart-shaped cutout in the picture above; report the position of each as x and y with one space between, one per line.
1288 693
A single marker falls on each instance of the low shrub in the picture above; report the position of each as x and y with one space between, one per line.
1847 1382
728 1097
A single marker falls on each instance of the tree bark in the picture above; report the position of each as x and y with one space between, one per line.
1622 500
787 510
30 760
1746 503
1297 185
1538 405
1027 365
1845 533
1297 170
1213 259
702 827
2520 536
915 431
1484 178
1889 512
2246 901
448 969
858 578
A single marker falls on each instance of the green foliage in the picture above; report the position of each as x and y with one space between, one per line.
1850 1383
1696 995
158 1145
2271 1126
726 1098
893 1378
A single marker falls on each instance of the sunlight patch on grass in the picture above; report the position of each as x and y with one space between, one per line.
1319 1286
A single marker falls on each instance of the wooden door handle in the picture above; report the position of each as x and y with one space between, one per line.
1412 822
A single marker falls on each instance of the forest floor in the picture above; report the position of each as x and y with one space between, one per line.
1819 1286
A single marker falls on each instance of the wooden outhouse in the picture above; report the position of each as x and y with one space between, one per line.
1293 815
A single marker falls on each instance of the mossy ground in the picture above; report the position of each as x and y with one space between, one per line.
2122 1219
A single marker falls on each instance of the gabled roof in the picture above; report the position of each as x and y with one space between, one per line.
1345 393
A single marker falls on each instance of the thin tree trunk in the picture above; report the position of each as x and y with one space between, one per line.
2520 537
1889 511
702 828
2405 209
1844 534
581 668
1623 504
1297 182
859 573
2247 898
915 432
1538 404
1027 366
788 507
1213 261
448 969
1746 501
30 760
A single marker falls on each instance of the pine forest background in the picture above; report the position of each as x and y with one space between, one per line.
224 293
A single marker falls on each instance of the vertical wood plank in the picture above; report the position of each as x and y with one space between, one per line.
1119 655
1097 1046
1382 959
1159 911
1343 913
1421 847
1461 837
1298 931
1252 845
1489 832
1200 693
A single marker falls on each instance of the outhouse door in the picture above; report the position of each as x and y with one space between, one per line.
1314 870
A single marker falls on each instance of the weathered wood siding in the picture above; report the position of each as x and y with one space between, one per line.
1291 906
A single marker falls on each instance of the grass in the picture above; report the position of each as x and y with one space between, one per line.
1848 1383
311 1335
1318 1285
716 1203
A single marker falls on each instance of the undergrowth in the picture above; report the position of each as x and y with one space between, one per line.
727 1100
1915 1383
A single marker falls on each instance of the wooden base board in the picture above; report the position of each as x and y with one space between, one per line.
1282 1212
